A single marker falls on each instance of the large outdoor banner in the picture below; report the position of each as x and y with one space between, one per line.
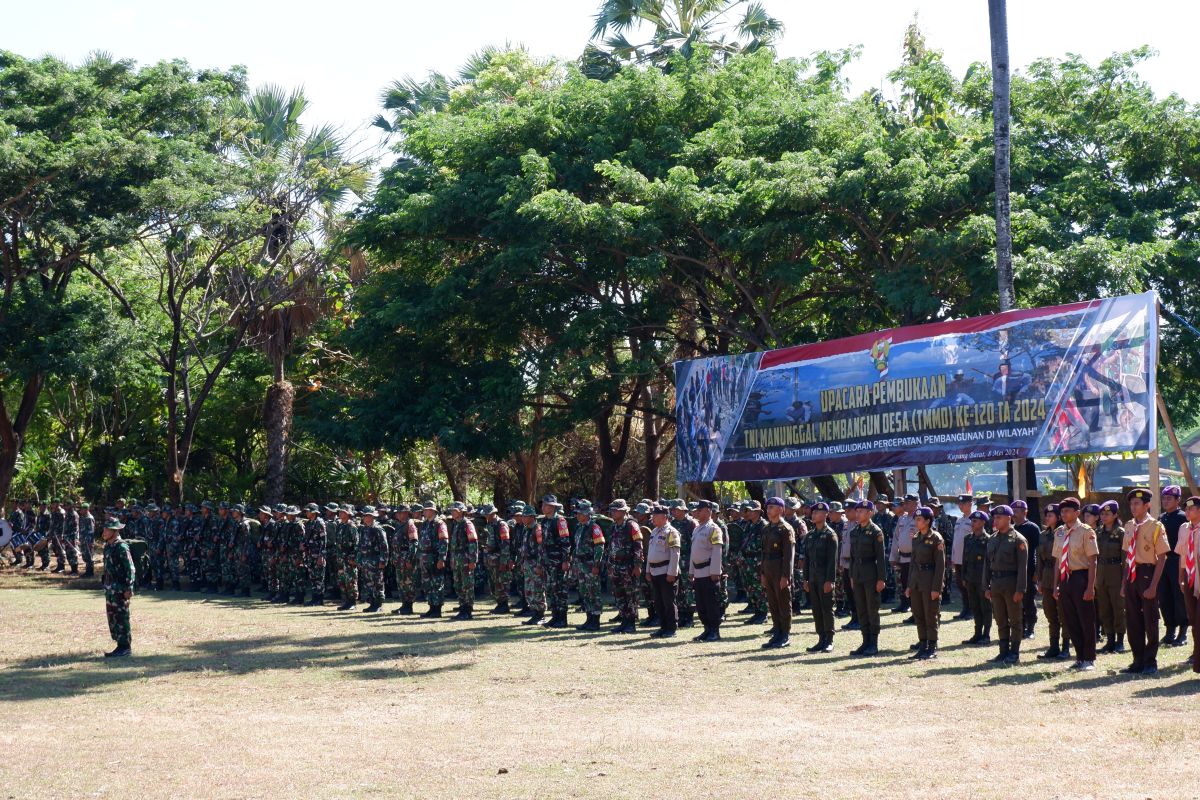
1026 383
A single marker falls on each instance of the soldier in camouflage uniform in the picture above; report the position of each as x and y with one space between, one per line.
372 559
685 598
71 536
497 556
532 554
120 576
588 545
267 543
752 564
172 545
405 556
314 545
556 541
345 539
333 566
464 555
291 558
625 566
155 531
737 530
517 533
58 540
885 520
209 538
193 547
241 553
229 551
434 547
87 539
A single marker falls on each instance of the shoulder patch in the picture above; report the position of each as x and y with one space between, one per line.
597 535
635 534
471 535
562 528
716 537
442 532
673 538
503 532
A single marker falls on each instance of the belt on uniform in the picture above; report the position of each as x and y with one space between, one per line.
701 565
657 564
1004 573
905 552
924 567
1112 561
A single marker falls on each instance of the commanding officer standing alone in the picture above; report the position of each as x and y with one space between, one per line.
867 575
778 552
119 579
1005 577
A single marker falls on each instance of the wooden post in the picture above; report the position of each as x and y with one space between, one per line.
1179 454
1155 479
900 481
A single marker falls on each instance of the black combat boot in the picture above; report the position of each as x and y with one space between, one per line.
1110 646
558 619
872 648
347 605
74 569
405 608
1053 651
1168 639
976 636
818 647
1003 654
373 607
501 608
650 621
930 652
618 617
58 568
592 623
315 601
919 649
122 650
858 651
986 636
1119 646
686 615
535 618
757 619
468 613
1181 639
459 615
1014 654
89 570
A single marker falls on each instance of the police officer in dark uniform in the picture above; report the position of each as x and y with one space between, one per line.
974 564
1005 578
778 553
820 572
925 579
868 571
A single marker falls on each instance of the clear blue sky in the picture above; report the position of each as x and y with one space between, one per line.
345 52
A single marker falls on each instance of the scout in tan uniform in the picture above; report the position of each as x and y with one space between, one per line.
1005 574
1110 577
778 553
662 571
708 547
868 571
1146 549
926 575
1075 585
1188 549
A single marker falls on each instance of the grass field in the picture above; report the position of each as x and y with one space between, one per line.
236 699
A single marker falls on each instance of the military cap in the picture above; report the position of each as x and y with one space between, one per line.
292 511
1051 508
1092 508
794 503
457 505
583 506
1192 502
528 511
1110 505
416 508
223 505
368 511
238 507
189 507
280 508
820 505
313 507
692 506
57 500
775 501
753 505
641 508
883 500
264 509
331 507
709 504
980 516
1172 491
925 512
659 509
836 506
551 500
487 509
966 498
983 500
207 504
85 505
734 507
1139 494
1002 511
1073 502
1019 504
429 505
934 502
114 525
911 498
151 508
867 504
618 505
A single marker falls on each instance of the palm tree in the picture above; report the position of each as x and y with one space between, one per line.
311 176
726 26
998 23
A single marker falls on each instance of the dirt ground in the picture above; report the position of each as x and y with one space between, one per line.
237 699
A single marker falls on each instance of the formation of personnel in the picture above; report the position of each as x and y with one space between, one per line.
1097 576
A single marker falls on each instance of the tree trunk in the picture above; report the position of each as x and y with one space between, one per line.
527 472
455 475
828 487
998 23
612 457
881 483
277 419
12 431
652 434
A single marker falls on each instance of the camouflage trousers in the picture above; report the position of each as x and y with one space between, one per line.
556 588
212 565
434 581
271 572
625 590
87 544
116 608
347 579
499 577
372 583
464 582
723 592
160 554
194 562
406 579
314 574
171 567
646 593
535 589
229 568
756 595
589 587
291 566
685 598
65 544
